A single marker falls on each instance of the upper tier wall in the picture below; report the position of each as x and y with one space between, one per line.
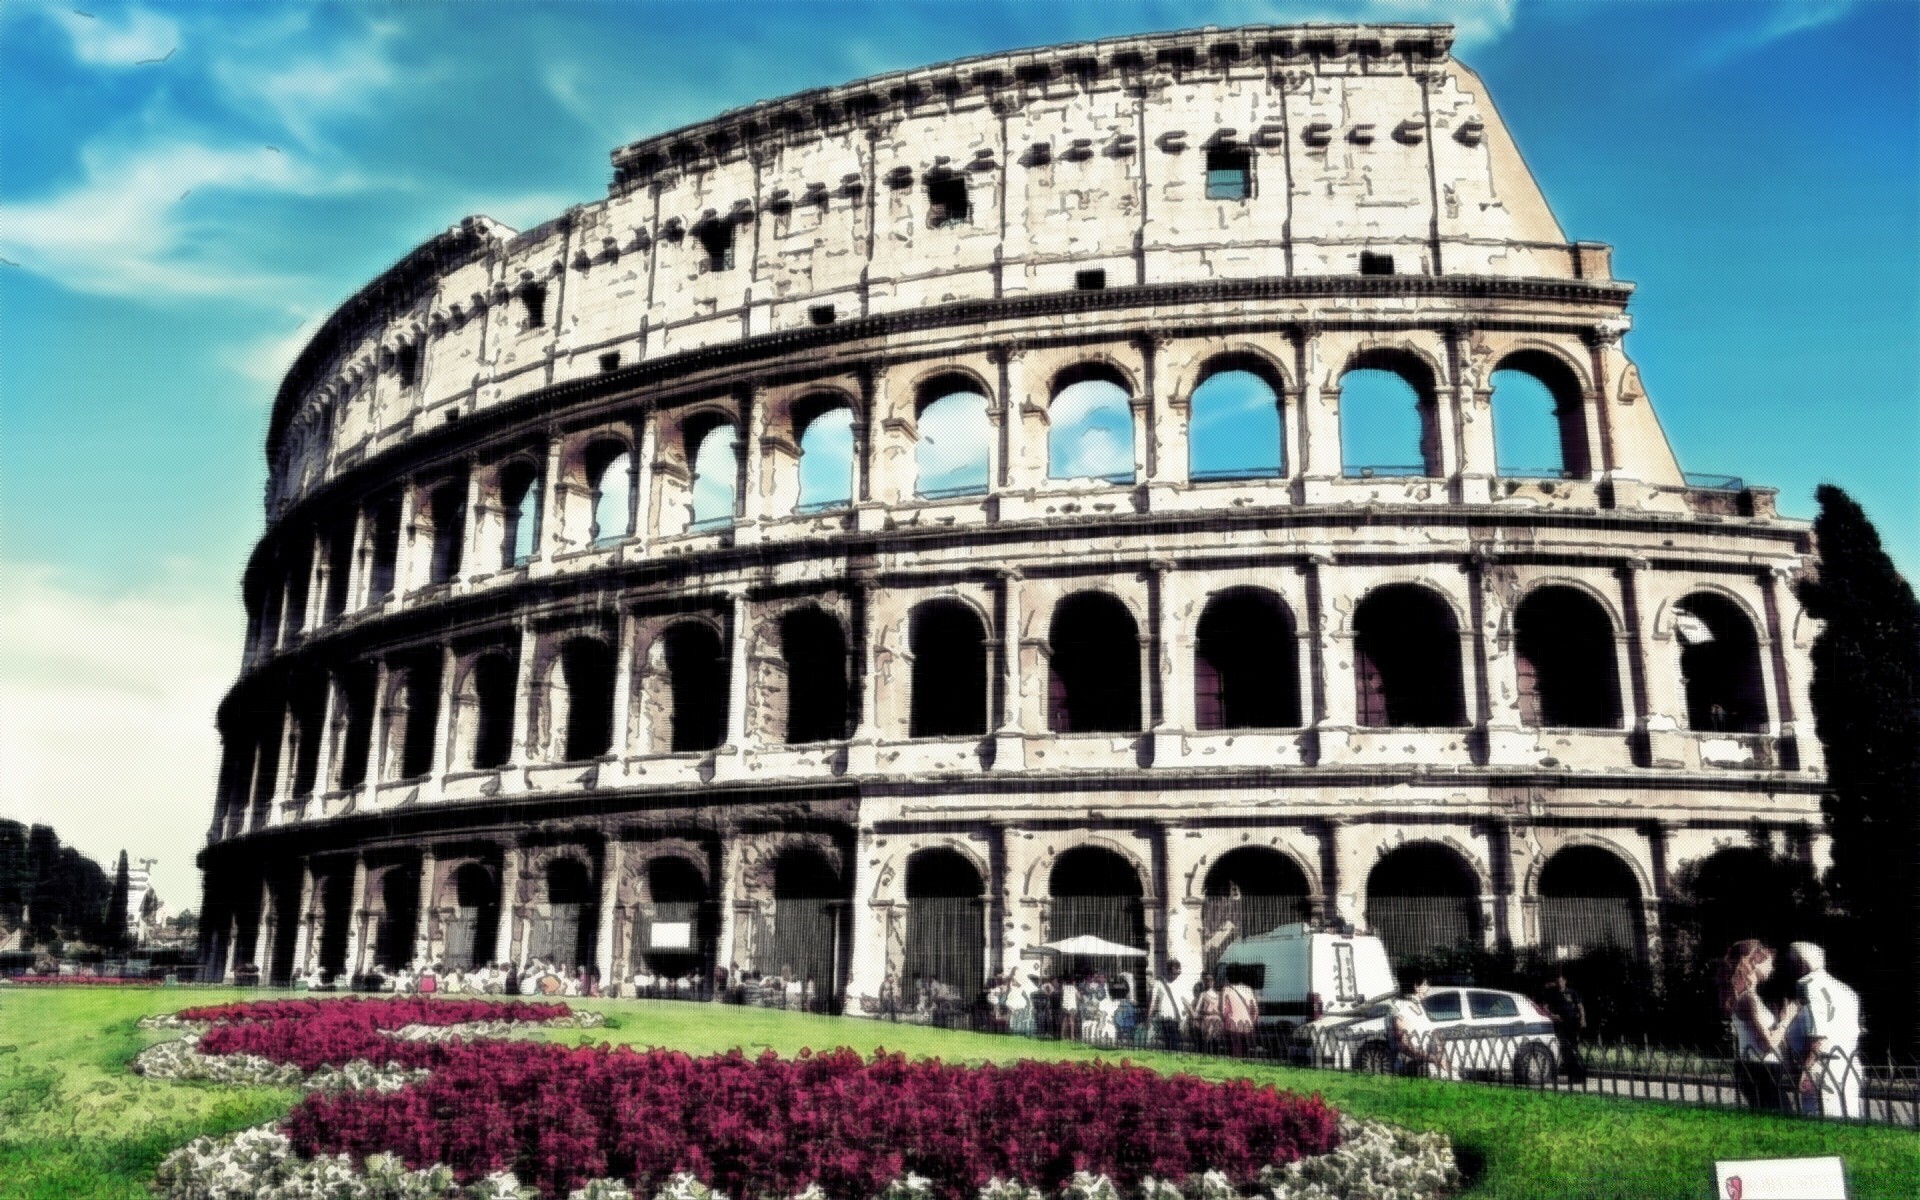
847 203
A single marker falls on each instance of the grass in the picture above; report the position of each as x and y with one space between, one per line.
74 1123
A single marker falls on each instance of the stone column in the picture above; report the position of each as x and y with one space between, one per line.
1012 401
232 957
359 916
550 496
303 920
1320 463
423 922
317 568
1171 665
403 549
357 564
643 507
626 635
509 903
445 719
377 735
726 953
612 861
522 749
262 930
868 968
323 760
730 759
469 530
1009 740
747 501
1471 412
1168 429
284 768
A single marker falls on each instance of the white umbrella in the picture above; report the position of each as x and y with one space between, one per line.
1088 944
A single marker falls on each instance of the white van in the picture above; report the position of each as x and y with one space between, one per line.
1302 974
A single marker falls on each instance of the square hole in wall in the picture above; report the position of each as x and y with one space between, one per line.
610 361
1375 264
1090 281
820 314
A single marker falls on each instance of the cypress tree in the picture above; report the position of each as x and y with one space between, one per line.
115 926
1866 707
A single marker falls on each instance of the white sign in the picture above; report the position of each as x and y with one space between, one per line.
1781 1179
672 935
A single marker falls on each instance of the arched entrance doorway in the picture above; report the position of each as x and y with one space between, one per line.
946 925
1251 891
1423 897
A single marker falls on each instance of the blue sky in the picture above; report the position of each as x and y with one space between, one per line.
172 229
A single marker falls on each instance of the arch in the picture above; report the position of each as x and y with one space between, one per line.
819 692
563 931
1539 417
1095 890
1388 414
713 455
399 917
1564 647
447 512
1422 897
1249 891
1234 430
1090 425
1590 900
809 937
336 921
1093 666
356 729
946 937
951 455
1406 659
823 427
418 718
384 533
1719 665
586 670
490 689
610 471
697 676
520 507
949 695
339 569
1246 665
474 921
674 931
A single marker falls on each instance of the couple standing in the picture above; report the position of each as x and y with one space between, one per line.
1805 1059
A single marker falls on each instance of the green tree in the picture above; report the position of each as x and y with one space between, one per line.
114 925
1866 708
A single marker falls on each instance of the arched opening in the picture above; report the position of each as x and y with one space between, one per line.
520 510
949 645
1539 418
356 736
339 569
1406 649
1093 679
447 510
697 677
947 202
809 908
946 924
299 571
1388 425
336 922
673 937
399 918
1421 898
1090 426
815 649
1589 900
1246 667
1719 665
420 724
715 239
563 933
1096 891
286 920
492 685
1234 428
951 454
1251 891
475 923
610 479
1569 672
383 566
586 666
715 456
825 426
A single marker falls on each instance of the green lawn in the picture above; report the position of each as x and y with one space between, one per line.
74 1123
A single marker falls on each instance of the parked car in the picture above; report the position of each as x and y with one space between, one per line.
1301 974
1482 1031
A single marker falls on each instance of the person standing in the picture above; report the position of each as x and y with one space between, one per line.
1069 1023
1239 1013
1167 1008
1413 1033
1828 1040
1569 1013
1757 1034
1208 1024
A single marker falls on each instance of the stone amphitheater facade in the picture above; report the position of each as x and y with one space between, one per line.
559 647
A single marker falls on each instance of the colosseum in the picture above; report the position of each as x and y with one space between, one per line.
1064 491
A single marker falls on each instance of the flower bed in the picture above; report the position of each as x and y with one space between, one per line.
559 1117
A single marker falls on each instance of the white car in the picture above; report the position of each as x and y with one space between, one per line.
1480 1031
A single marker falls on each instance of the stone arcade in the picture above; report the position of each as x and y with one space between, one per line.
722 575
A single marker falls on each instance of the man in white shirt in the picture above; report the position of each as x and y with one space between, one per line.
1167 1007
1828 1035
1413 1033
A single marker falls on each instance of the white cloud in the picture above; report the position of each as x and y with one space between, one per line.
107 715
302 93
126 229
139 38
266 358
1776 20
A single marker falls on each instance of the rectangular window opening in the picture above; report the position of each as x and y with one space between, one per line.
820 314
1090 281
610 361
1229 174
947 201
1375 264
534 297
